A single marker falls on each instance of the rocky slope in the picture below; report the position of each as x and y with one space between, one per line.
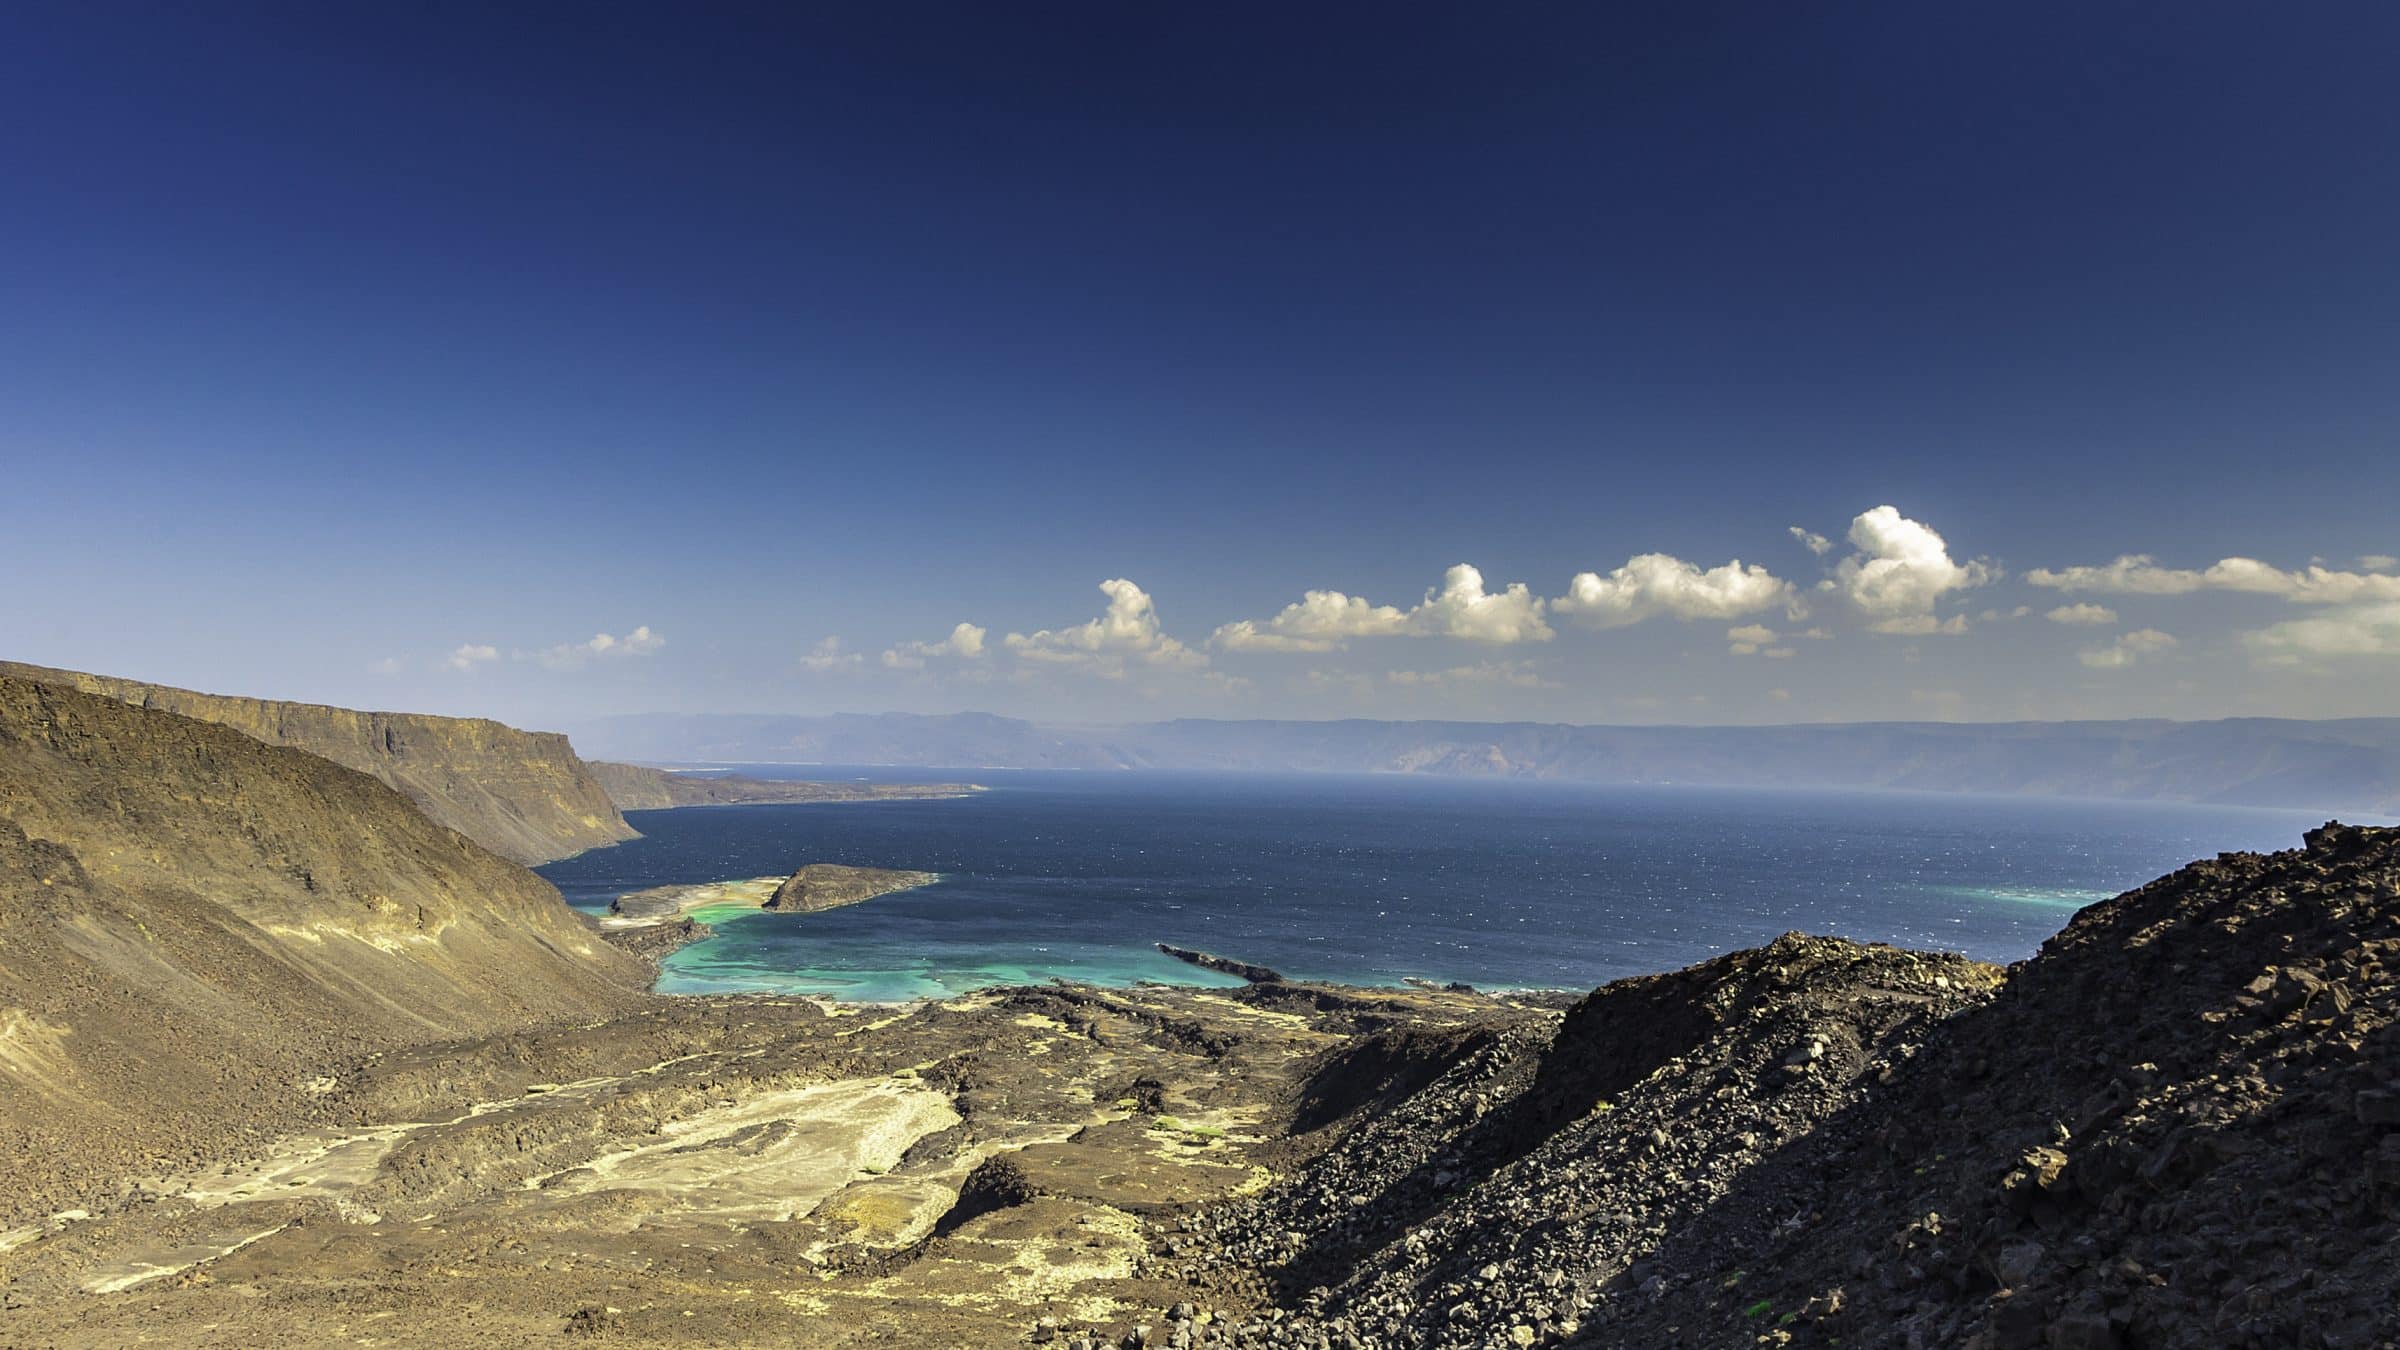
637 787
194 926
2178 1125
522 794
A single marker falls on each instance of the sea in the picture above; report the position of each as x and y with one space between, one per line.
1381 879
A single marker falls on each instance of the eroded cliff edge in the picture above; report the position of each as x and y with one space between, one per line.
522 794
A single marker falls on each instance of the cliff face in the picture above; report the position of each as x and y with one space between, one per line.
522 794
194 924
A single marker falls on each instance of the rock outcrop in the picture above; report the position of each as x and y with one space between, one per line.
637 787
1223 965
2179 1124
832 885
522 794
194 924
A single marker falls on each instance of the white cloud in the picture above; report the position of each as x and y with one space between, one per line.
1460 607
2126 650
1127 633
1519 674
1812 541
2140 574
640 642
2378 562
965 643
2356 630
1657 583
2083 616
389 665
1319 621
1901 570
828 656
469 655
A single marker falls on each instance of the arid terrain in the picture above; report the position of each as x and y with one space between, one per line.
287 1062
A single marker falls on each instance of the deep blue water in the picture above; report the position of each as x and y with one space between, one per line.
1371 879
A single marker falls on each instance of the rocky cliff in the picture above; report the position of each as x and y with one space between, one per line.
522 794
194 926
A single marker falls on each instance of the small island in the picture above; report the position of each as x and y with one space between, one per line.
831 886
814 887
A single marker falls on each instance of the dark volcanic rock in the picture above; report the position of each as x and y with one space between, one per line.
2179 1125
2166 1130
657 941
1496 1176
832 885
1223 965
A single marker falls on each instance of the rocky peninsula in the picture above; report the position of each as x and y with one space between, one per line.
813 887
639 787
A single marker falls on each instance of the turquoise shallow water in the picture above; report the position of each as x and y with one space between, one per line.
1374 879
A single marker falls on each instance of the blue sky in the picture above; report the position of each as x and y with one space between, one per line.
341 345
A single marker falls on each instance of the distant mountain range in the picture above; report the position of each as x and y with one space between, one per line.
2350 765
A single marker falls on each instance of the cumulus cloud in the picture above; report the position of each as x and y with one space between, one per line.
965 643
1519 674
640 642
469 655
828 656
2378 562
1319 621
1656 583
2140 574
2083 616
1901 570
2126 650
1461 607
1812 541
1126 634
2355 630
